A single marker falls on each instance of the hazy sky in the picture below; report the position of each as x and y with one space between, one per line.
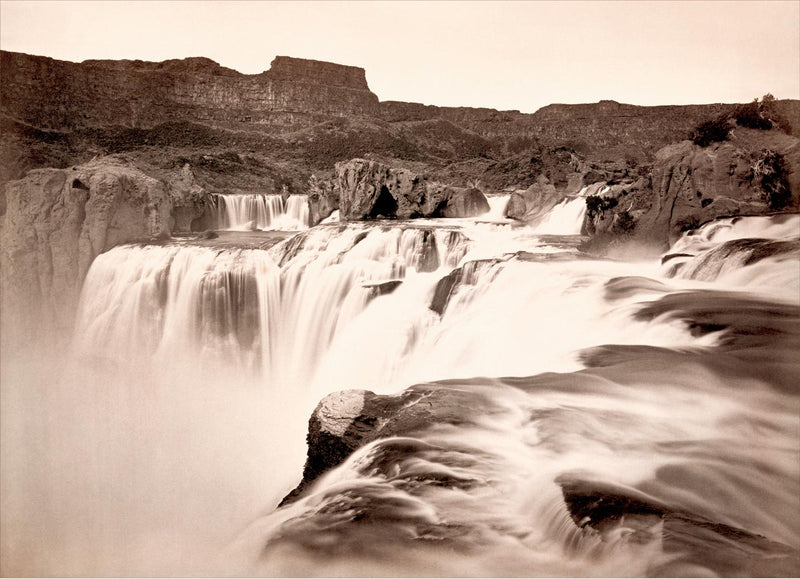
515 55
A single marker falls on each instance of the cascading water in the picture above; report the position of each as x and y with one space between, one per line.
497 207
244 212
181 418
566 218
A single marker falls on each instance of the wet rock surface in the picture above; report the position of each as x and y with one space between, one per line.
347 420
696 543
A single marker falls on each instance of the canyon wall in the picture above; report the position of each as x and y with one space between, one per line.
591 127
58 95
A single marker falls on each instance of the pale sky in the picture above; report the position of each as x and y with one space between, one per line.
503 55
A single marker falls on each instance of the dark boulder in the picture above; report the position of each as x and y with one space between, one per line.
347 420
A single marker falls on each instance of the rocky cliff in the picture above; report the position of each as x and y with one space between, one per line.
755 172
595 127
58 95
300 118
58 220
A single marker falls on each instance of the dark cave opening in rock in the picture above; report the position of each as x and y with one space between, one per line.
385 205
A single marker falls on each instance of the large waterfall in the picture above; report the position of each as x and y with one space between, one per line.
168 438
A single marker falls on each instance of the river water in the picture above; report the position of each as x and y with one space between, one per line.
163 441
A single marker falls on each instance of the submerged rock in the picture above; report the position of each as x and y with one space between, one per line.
384 287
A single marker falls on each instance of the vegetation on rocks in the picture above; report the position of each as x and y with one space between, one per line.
772 171
713 131
596 205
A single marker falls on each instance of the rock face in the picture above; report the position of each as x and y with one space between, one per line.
58 220
535 202
347 420
372 190
53 94
323 199
599 126
689 185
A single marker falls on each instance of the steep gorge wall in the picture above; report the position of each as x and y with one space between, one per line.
592 126
59 95
605 130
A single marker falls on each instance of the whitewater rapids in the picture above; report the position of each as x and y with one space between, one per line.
165 440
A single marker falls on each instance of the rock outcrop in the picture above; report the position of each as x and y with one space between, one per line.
372 190
535 202
405 450
323 199
689 185
58 220
345 421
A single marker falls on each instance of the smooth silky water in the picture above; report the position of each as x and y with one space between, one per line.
165 440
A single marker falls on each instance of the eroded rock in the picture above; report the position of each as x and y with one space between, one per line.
372 190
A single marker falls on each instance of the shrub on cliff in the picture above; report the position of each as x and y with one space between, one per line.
624 223
752 116
597 205
774 171
711 131
761 115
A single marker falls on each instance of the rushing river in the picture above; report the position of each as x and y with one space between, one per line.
166 438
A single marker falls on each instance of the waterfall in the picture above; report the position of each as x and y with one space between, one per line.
164 443
497 207
239 307
261 211
566 218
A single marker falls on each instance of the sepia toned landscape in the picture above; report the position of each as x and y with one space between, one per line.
275 323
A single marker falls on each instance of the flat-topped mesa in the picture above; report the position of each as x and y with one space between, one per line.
58 95
317 72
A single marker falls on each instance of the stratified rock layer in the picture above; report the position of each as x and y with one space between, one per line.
54 94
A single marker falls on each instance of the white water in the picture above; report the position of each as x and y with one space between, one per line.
179 421
721 230
497 208
566 218
703 255
245 212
